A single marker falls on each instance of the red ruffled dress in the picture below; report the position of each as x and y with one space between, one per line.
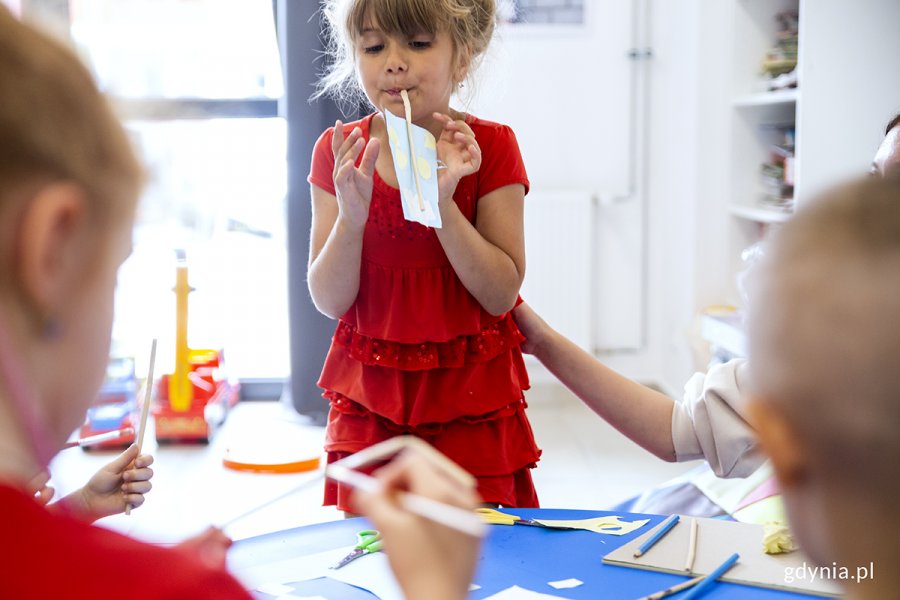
416 353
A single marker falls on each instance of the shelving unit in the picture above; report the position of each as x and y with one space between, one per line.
846 55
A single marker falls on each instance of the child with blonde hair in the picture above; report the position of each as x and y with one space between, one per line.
69 183
425 343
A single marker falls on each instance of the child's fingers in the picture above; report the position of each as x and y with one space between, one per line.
134 500
142 474
144 460
338 138
45 494
367 166
348 145
445 119
121 462
137 487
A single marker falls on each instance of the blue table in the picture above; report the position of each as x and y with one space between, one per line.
511 555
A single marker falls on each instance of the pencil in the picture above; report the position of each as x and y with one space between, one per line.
145 409
669 524
674 589
712 577
100 437
445 514
692 547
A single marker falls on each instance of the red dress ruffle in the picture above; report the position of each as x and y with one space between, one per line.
417 354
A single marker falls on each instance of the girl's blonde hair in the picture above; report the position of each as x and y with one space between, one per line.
470 24
55 125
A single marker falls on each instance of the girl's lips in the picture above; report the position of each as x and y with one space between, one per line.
394 91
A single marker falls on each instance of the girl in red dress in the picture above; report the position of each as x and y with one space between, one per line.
425 344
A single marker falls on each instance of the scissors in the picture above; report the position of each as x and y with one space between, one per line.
367 541
495 517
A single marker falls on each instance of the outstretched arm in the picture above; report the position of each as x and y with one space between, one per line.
639 412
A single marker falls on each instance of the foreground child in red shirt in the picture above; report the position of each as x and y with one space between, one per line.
69 183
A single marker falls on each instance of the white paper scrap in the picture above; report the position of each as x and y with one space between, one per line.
565 583
518 593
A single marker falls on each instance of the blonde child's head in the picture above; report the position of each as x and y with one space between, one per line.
469 23
824 338
69 182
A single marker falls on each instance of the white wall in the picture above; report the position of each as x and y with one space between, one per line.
563 93
548 89
850 86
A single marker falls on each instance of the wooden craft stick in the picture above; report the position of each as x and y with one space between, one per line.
99 438
692 547
145 409
445 514
407 108
148 395
712 577
674 589
666 526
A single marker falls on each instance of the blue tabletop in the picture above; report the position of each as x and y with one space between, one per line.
511 555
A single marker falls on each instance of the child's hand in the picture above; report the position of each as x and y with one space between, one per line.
353 186
210 546
112 487
532 326
430 560
459 151
42 492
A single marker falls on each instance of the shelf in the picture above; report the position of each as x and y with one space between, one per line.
776 98
760 214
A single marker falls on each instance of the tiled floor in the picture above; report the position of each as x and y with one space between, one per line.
586 464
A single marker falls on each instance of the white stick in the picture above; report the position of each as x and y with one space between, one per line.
407 108
148 395
145 409
692 547
449 516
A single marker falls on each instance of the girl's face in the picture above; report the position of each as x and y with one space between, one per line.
423 65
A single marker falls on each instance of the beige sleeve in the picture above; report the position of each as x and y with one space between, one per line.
709 422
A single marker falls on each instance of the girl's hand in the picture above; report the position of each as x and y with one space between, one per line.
459 151
42 492
532 326
112 487
353 186
430 560
210 546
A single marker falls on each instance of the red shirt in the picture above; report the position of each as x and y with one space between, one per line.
416 353
47 555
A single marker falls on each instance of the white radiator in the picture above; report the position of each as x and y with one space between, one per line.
559 255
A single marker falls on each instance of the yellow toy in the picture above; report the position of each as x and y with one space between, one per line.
194 399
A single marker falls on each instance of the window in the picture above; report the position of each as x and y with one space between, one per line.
198 82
